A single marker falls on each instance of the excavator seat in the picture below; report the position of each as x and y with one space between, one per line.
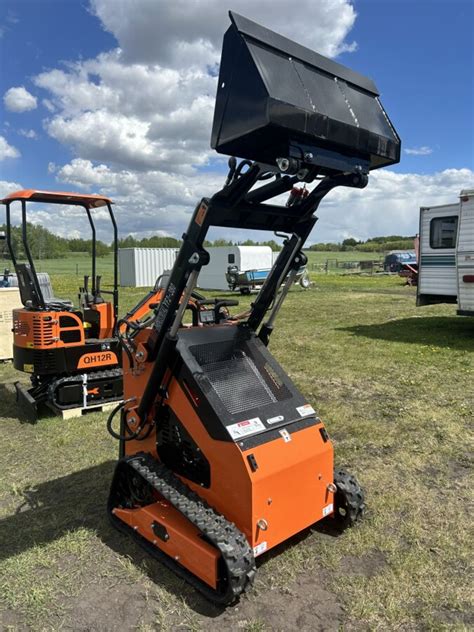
32 295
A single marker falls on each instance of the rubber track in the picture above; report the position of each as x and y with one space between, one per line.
237 556
53 387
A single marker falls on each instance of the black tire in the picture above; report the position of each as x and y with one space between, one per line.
305 282
349 500
245 291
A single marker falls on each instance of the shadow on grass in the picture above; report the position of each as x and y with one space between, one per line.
79 500
456 332
9 407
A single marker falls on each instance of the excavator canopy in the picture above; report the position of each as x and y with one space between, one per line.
277 99
58 197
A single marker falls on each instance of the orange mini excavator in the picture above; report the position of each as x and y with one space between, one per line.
72 353
221 457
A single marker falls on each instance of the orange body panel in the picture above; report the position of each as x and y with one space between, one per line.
106 319
183 544
142 309
288 491
42 329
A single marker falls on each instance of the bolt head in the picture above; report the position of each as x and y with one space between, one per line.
262 524
283 164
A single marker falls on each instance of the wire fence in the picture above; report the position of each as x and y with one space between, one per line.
343 266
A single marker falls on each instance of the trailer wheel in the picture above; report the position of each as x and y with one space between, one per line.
349 505
305 282
245 291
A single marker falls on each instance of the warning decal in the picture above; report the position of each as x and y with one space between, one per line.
259 549
328 510
245 428
306 410
201 214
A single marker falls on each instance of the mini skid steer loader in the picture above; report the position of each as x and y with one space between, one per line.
221 457
71 353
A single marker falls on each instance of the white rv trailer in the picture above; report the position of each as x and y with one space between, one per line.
446 254
212 276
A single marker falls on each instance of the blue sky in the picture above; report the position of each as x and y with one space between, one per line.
419 53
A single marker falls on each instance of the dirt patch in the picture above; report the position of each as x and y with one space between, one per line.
365 565
305 604
109 608
12 620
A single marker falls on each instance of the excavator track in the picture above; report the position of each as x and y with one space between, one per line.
91 389
237 559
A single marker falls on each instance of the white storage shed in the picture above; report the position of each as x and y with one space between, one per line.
140 267
212 276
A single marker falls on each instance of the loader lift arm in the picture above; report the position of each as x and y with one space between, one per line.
235 206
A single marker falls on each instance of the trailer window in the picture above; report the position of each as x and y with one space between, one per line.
443 232
231 258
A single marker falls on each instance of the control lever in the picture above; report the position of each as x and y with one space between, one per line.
84 297
97 296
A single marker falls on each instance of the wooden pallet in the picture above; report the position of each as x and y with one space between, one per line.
71 413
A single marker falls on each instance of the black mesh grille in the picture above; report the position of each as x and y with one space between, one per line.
239 375
44 361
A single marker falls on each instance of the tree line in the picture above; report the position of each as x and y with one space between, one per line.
45 245
374 244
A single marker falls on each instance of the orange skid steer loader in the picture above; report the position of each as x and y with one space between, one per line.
221 457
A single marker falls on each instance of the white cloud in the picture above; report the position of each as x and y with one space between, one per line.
158 201
419 151
8 187
6 150
28 133
390 204
183 32
145 202
19 100
48 105
138 119
148 105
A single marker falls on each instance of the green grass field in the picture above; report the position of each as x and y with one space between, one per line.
394 384
78 264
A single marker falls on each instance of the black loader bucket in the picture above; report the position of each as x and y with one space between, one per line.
277 99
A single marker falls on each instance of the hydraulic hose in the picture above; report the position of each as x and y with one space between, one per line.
130 433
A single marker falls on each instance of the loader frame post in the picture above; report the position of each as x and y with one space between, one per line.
115 255
11 250
24 237
94 250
